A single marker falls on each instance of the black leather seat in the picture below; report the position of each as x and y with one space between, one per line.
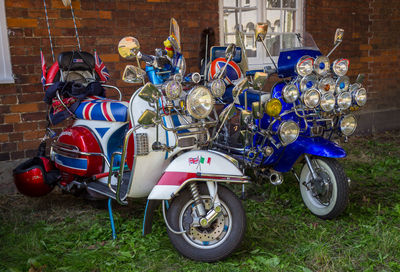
76 61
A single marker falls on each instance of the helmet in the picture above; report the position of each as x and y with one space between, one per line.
233 71
35 177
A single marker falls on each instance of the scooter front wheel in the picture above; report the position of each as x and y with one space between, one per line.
214 242
327 196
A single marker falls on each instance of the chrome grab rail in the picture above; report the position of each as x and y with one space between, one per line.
115 88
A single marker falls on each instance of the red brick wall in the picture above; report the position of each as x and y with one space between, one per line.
101 24
372 43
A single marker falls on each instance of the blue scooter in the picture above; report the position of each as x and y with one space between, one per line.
301 119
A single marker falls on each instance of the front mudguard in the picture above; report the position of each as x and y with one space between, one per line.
316 146
192 166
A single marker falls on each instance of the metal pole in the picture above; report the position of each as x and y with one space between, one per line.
76 30
48 28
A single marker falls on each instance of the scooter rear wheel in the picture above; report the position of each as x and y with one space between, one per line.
218 240
328 197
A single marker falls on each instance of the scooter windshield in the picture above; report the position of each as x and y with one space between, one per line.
174 35
289 41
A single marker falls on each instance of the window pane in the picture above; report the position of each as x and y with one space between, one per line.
230 39
231 17
289 18
273 20
230 3
289 3
273 4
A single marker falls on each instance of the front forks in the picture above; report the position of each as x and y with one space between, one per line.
205 219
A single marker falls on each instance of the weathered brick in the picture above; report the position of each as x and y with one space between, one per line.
21 22
12 118
26 126
3 138
32 107
4 156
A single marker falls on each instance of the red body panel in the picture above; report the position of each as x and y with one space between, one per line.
85 141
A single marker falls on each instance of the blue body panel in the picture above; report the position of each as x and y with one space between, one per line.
316 146
288 59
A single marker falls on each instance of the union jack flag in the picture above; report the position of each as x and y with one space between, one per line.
194 160
101 68
43 62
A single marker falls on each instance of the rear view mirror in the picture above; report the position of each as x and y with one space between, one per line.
338 36
146 119
133 74
230 51
149 93
360 78
227 113
261 31
128 47
239 88
259 79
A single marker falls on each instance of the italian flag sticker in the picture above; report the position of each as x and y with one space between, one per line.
202 160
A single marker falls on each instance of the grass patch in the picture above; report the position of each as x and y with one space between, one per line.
63 233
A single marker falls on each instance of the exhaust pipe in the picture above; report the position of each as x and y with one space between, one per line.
275 178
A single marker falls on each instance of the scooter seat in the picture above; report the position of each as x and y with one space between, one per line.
102 109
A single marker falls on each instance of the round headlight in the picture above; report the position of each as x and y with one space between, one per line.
199 102
217 87
196 77
342 84
273 107
340 66
308 82
173 89
304 66
321 65
360 96
178 77
288 132
327 102
311 98
326 84
290 93
344 100
348 124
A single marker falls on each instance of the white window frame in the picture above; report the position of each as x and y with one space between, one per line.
6 75
262 59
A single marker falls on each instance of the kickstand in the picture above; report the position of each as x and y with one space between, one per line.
114 235
243 195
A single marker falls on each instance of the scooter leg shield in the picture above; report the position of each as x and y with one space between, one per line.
317 146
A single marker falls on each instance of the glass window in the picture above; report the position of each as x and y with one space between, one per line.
5 61
282 16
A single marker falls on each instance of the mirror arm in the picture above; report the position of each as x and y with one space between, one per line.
269 55
333 49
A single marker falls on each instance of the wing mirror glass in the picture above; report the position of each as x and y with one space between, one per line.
128 47
261 31
227 113
360 78
149 93
146 119
239 88
338 36
133 74
259 79
230 51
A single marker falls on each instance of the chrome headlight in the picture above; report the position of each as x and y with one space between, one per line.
217 87
199 102
326 84
327 102
311 98
173 89
342 84
290 93
340 66
308 82
304 66
344 100
321 65
348 124
359 96
288 132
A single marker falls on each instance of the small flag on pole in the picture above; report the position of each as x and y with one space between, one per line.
101 68
43 63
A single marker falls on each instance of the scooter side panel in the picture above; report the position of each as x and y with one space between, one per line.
316 146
